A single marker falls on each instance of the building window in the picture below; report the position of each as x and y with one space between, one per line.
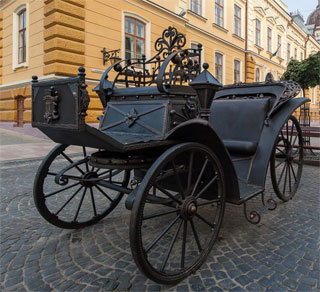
236 71
237 20
219 67
258 32
194 49
288 52
269 39
134 38
22 42
279 46
295 53
301 56
257 76
219 12
195 6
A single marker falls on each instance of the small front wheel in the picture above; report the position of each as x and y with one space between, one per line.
67 192
177 213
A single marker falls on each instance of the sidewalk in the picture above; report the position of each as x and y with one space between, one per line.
17 145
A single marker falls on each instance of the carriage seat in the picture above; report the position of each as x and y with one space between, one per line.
239 123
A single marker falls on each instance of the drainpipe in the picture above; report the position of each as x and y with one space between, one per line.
246 44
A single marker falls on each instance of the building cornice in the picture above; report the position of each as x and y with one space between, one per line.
214 37
157 7
266 59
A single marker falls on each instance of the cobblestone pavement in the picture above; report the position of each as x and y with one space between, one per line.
279 254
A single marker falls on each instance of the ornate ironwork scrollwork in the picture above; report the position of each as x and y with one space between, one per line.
51 105
84 96
171 39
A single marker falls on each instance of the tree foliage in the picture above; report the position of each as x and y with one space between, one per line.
306 72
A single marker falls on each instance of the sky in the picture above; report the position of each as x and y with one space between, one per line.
304 6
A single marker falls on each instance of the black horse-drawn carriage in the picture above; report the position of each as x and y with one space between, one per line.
176 142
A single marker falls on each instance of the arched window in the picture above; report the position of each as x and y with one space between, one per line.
257 75
269 77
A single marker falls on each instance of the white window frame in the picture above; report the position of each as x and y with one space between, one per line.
147 33
15 37
313 95
255 32
224 13
239 6
255 75
223 65
202 52
240 69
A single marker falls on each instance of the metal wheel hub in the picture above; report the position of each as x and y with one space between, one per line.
189 208
87 176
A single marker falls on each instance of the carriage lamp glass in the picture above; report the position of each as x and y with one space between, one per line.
111 56
206 86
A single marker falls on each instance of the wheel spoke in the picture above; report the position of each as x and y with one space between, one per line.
159 214
178 179
80 204
184 241
164 231
294 175
280 163
207 186
170 247
102 192
70 160
167 193
209 202
205 220
68 201
85 155
61 190
285 180
93 203
291 134
195 235
284 167
281 150
200 176
190 171
289 178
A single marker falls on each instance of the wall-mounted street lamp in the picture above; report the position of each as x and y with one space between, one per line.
111 56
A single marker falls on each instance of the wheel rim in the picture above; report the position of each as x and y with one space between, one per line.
75 199
166 241
287 160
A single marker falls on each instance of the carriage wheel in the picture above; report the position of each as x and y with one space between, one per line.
74 199
170 241
287 160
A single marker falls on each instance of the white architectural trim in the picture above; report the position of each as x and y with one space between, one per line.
15 35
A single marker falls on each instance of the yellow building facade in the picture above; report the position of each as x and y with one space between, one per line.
242 40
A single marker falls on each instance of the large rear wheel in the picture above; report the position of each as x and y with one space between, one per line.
177 213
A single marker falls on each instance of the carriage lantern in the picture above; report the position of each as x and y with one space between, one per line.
206 86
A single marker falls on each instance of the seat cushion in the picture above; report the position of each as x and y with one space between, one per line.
239 122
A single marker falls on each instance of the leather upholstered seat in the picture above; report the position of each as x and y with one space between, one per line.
239 123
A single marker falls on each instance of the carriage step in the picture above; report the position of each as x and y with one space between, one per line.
254 217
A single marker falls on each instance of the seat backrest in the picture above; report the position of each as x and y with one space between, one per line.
239 119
